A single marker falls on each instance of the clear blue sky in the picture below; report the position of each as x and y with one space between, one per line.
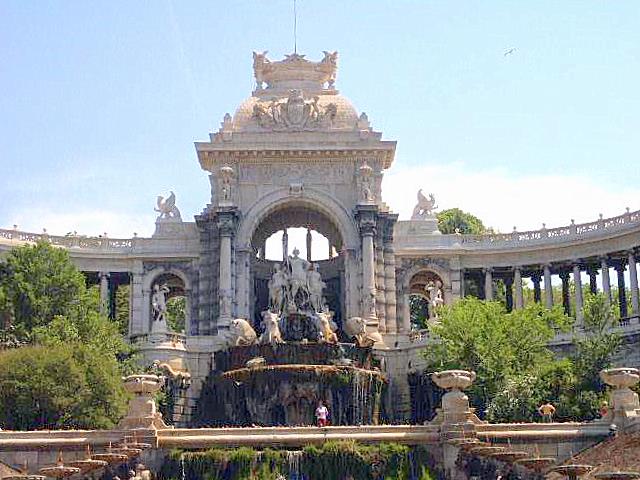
100 102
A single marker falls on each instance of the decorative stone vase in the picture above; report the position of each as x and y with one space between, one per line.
625 405
455 403
143 412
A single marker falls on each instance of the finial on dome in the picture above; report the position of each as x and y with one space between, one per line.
294 71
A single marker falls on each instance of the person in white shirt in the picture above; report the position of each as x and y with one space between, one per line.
322 414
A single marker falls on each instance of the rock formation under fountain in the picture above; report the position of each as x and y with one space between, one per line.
278 377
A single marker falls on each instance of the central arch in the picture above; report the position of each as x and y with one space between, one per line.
278 211
310 199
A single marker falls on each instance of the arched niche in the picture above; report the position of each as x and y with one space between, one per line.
178 284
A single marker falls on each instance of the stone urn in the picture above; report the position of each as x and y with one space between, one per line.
625 405
143 412
455 403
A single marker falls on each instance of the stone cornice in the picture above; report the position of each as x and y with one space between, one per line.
210 158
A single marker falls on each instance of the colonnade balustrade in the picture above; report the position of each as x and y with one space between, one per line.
568 272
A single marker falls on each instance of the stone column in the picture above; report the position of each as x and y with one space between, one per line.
368 274
308 244
577 280
622 294
537 293
104 292
508 291
488 284
566 302
517 280
548 289
606 283
593 279
390 288
633 280
285 245
225 228
243 282
367 216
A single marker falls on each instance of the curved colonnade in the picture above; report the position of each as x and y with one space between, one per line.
467 264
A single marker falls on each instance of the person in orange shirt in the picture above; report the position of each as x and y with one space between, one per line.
547 410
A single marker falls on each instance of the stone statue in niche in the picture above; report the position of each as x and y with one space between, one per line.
167 208
365 180
425 207
225 185
159 302
436 299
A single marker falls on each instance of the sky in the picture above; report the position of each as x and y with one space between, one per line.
101 101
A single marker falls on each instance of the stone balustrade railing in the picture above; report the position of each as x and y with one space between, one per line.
490 240
92 244
568 232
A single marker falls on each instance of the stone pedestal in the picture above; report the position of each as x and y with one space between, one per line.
143 412
625 404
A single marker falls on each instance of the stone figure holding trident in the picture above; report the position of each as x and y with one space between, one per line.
298 280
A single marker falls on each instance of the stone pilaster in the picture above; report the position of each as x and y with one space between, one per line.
390 276
137 324
380 284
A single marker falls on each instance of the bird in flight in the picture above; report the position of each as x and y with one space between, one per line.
509 51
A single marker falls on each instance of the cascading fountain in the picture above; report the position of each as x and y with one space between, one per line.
280 377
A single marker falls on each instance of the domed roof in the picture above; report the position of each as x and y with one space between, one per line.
292 95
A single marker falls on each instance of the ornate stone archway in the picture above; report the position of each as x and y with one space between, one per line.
278 210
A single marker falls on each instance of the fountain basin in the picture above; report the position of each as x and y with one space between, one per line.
617 475
270 395
453 379
538 464
572 471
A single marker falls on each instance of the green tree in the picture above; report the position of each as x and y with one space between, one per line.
38 282
454 218
53 311
59 387
499 346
